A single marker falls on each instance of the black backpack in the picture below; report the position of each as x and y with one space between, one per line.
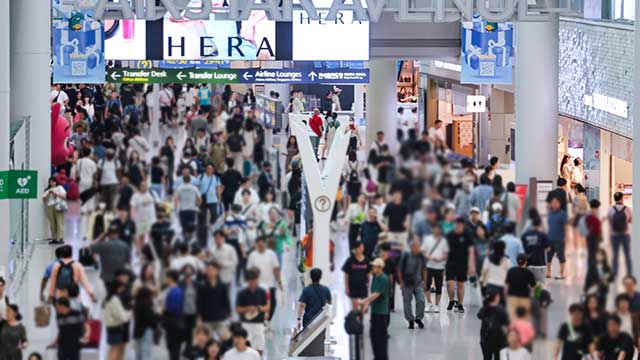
85 257
65 275
353 174
619 223
235 142
353 323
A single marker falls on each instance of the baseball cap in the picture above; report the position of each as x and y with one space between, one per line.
474 209
377 262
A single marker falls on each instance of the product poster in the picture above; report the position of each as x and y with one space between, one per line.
78 45
125 39
487 52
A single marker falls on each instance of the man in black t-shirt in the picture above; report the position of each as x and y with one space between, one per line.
536 245
397 218
559 193
253 305
70 330
574 337
385 163
615 344
460 263
519 283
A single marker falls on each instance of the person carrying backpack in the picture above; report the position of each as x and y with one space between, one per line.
66 272
620 219
493 328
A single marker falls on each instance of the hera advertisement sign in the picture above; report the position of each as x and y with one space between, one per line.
78 45
487 52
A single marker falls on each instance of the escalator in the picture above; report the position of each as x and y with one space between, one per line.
310 341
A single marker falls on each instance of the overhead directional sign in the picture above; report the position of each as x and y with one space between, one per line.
236 76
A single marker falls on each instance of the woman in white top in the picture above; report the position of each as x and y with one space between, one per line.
116 319
514 351
494 270
143 211
262 211
54 197
435 249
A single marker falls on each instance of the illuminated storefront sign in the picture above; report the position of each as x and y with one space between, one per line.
363 10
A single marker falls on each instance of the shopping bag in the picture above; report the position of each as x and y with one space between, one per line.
42 315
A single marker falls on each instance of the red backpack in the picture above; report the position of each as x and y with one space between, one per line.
73 191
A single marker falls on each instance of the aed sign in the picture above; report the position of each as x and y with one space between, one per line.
18 184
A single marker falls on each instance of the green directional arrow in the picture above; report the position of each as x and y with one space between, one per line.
165 76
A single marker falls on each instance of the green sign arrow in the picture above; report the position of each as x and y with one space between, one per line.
168 76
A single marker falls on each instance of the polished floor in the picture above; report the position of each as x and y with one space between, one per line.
446 336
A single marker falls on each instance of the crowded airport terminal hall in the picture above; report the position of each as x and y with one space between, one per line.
319 180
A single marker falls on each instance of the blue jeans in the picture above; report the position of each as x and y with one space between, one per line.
616 241
144 346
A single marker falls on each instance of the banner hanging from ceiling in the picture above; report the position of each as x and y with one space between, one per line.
487 52
78 45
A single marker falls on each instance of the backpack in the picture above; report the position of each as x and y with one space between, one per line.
619 222
65 275
353 323
353 174
73 191
491 328
85 257
235 142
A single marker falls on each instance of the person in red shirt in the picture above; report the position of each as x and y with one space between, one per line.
315 122
594 230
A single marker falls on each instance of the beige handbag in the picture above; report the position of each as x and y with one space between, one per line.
42 315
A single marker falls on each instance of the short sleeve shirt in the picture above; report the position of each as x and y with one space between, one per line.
357 271
380 284
314 297
459 247
246 297
575 343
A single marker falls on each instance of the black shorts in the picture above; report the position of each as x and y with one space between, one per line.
358 293
118 334
456 272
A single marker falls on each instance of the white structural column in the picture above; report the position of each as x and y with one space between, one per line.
5 73
536 101
30 86
635 227
381 101
358 101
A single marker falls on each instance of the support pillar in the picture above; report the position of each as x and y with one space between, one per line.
635 156
537 101
484 131
30 86
358 101
5 101
381 101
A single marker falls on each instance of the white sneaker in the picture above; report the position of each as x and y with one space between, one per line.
436 309
428 308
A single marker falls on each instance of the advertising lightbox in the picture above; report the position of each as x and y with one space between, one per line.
125 39
344 38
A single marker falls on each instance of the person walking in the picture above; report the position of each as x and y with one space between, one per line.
253 305
13 336
187 200
494 270
146 322
70 330
378 301
492 330
620 218
214 305
519 284
460 263
412 272
116 320
556 223
172 317
313 299
435 248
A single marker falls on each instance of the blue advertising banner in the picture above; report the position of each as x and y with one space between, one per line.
487 52
78 45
